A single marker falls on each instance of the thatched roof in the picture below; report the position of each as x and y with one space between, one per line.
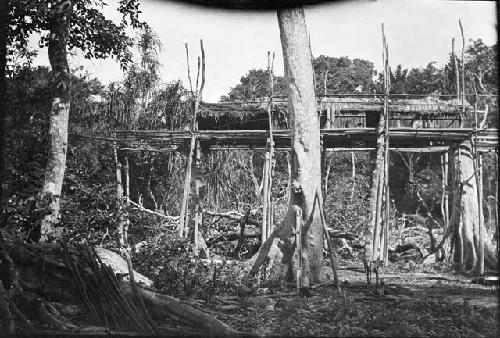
397 105
253 114
239 113
248 109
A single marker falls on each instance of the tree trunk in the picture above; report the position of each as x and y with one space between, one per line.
59 114
305 159
465 217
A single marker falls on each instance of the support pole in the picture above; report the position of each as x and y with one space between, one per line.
385 238
444 198
463 72
477 173
482 230
265 202
127 181
194 152
196 210
333 257
298 247
183 220
270 220
455 64
119 196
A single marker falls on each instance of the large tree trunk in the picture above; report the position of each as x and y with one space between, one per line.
59 114
465 215
306 158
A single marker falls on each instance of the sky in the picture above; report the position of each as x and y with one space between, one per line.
417 31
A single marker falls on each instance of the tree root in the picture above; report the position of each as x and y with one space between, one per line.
109 303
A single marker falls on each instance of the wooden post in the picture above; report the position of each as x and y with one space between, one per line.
195 213
324 82
119 186
353 165
482 232
324 177
271 215
127 181
386 223
270 189
332 117
444 197
333 257
194 152
119 195
268 194
265 204
298 247
187 189
455 63
496 203
463 71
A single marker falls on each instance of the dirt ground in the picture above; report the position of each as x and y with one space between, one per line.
417 302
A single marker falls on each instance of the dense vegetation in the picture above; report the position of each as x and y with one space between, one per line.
230 180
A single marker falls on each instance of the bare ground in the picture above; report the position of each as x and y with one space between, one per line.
421 302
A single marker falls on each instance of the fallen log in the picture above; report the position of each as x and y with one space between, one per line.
233 215
342 234
234 235
141 208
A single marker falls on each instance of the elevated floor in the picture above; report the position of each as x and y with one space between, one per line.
332 138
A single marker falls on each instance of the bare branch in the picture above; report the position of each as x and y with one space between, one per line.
189 70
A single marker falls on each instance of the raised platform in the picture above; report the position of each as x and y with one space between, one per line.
332 138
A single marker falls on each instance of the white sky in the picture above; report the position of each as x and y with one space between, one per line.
418 31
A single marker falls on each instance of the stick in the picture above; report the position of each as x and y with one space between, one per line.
333 257
141 208
187 189
463 66
200 91
298 246
188 69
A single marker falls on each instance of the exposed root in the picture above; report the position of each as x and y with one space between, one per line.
81 278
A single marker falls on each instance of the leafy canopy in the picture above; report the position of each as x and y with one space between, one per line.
90 31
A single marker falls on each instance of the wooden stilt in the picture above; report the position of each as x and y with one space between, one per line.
477 173
482 231
270 189
119 195
127 181
496 203
333 257
298 247
444 198
272 214
183 220
196 210
265 202
386 224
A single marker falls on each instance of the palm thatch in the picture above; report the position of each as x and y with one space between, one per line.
349 112
426 105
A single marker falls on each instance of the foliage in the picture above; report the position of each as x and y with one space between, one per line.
255 85
347 200
90 31
422 81
171 264
344 76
